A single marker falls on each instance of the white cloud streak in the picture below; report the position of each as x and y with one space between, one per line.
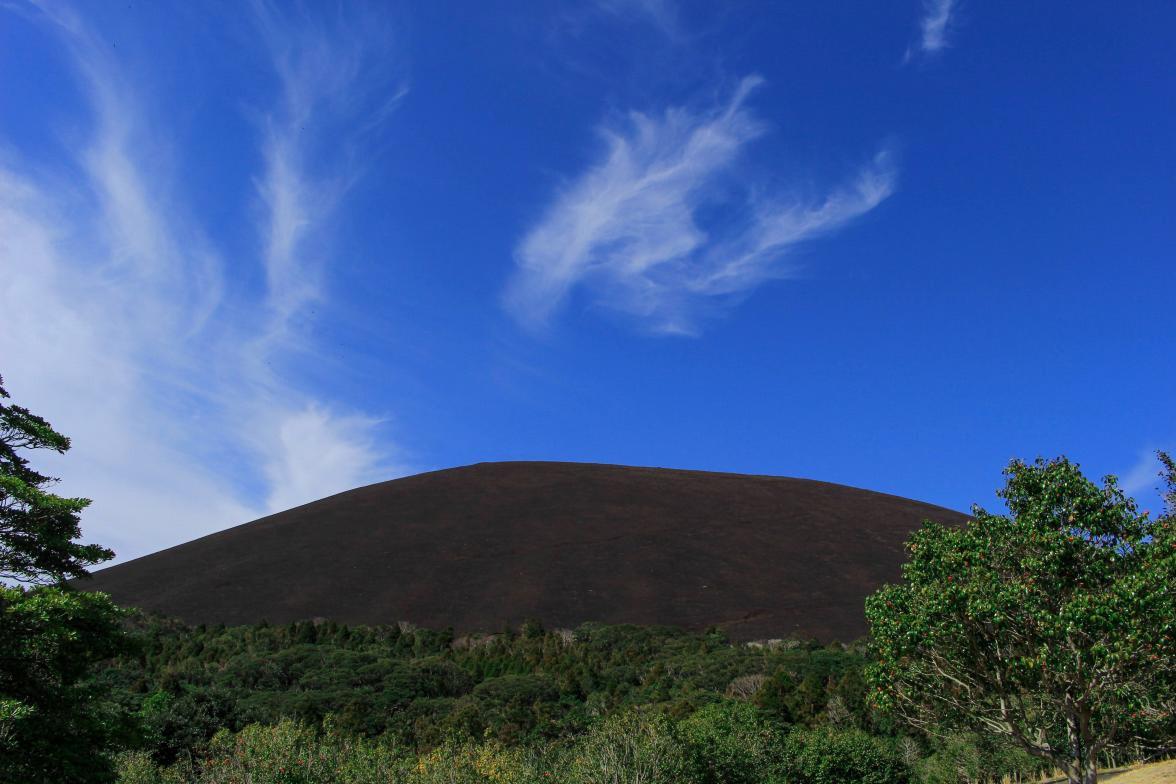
1143 478
337 86
934 25
629 227
663 14
122 327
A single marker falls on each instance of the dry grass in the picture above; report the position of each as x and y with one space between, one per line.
1156 773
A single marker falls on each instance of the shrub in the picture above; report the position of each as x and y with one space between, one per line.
728 743
964 757
137 767
293 753
485 763
630 748
828 756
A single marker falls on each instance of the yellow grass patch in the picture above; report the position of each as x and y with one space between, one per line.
1156 773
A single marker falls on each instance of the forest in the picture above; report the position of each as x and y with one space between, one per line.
529 701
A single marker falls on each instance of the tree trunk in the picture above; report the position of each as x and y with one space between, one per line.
1083 772
1091 766
1083 767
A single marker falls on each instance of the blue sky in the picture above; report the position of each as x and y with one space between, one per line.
257 253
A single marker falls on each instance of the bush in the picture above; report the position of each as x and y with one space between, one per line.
828 756
629 749
973 758
486 763
57 723
137 767
728 743
293 753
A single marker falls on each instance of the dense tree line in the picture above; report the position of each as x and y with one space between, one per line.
422 687
542 694
691 706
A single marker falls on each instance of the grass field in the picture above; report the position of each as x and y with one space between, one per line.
1155 773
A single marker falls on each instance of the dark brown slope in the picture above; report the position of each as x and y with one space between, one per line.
480 547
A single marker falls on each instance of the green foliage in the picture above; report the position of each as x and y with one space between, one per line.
173 724
137 767
1053 626
556 703
829 756
731 743
422 689
475 763
292 753
970 758
285 753
724 741
37 528
295 753
54 726
629 749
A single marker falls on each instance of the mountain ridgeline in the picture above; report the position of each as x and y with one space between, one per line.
491 545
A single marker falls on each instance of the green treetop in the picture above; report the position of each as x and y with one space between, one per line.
37 528
1053 626
55 726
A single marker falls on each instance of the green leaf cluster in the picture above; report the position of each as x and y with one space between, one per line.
55 724
1053 625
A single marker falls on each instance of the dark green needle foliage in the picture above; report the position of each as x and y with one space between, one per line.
38 530
1053 626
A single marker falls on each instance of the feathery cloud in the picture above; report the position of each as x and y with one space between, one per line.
629 227
122 327
1142 478
663 14
337 85
933 27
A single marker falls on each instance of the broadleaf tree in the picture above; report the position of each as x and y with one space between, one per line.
54 724
1053 626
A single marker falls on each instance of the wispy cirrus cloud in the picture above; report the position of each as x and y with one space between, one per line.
629 228
663 14
574 18
1143 478
934 27
122 326
338 83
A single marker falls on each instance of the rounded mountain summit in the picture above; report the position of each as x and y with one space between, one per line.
490 545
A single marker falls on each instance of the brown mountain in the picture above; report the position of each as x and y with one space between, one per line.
489 545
